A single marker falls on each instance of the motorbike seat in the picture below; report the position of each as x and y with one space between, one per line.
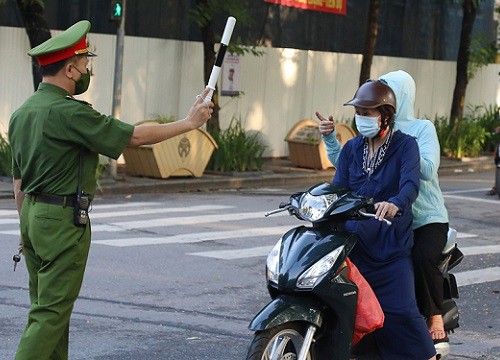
450 242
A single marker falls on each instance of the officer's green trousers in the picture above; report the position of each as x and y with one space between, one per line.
56 253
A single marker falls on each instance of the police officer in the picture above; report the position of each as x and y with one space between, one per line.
55 142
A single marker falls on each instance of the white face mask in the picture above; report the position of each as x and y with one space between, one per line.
367 125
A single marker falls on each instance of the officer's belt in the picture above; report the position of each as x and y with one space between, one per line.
68 200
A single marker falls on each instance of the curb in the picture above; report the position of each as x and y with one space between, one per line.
278 173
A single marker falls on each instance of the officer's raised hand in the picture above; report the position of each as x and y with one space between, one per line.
201 111
198 115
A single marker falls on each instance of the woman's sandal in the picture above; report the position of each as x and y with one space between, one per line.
438 331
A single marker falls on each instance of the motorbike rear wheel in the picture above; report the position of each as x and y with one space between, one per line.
282 342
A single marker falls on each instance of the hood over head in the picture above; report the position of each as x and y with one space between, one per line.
404 87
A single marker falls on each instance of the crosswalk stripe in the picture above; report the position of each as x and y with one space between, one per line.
478 250
195 237
102 215
462 235
472 199
178 221
98 207
470 277
465 191
9 221
235 254
264 250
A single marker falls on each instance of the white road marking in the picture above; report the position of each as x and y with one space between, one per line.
103 215
8 213
178 221
464 191
472 199
264 250
462 235
98 207
96 214
236 254
195 237
479 250
9 221
478 276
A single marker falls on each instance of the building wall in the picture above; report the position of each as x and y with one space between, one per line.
282 87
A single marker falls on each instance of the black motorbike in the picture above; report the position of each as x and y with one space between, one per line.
311 315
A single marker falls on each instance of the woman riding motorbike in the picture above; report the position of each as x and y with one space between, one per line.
430 217
385 164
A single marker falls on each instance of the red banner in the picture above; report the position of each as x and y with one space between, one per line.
331 6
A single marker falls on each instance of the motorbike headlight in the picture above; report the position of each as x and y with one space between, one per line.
313 207
308 279
273 263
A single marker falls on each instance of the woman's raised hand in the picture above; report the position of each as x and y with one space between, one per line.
326 126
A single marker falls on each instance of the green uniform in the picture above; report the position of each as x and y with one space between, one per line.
48 134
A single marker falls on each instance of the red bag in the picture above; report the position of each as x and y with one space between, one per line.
369 314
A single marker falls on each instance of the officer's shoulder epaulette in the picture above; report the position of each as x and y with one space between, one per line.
69 97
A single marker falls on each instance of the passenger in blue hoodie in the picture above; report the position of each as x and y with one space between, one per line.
384 164
430 217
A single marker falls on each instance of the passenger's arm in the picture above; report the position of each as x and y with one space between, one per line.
410 175
430 152
332 147
342 174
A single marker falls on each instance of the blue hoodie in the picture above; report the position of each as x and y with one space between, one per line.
429 207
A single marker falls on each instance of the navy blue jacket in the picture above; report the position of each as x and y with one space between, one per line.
395 180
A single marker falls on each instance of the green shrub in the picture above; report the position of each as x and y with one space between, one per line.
5 158
163 119
468 137
489 119
237 151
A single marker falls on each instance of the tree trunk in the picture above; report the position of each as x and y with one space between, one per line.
207 35
371 40
36 27
457 107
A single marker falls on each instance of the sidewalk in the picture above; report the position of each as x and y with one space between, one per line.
275 173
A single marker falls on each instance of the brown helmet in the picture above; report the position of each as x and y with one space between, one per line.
373 94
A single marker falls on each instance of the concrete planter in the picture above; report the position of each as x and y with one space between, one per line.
183 155
306 146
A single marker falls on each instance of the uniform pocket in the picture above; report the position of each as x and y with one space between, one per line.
47 215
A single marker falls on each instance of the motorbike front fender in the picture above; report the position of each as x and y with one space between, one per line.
286 309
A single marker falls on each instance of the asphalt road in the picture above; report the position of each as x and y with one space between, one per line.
181 276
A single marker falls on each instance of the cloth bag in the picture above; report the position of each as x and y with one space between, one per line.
369 314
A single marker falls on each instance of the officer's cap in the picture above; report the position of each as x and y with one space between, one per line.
63 46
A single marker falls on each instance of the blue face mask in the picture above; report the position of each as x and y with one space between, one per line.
367 125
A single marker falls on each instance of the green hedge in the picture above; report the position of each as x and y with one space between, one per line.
5 158
237 150
472 134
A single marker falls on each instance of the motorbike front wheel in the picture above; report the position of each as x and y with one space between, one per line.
282 342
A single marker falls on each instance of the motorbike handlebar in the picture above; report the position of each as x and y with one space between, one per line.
283 207
367 214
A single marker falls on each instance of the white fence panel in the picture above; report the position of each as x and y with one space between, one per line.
282 87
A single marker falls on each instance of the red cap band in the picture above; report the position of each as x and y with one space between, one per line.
79 48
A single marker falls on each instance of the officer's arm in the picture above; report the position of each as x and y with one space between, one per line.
198 115
152 134
18 195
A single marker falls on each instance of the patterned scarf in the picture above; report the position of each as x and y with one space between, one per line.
369 165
